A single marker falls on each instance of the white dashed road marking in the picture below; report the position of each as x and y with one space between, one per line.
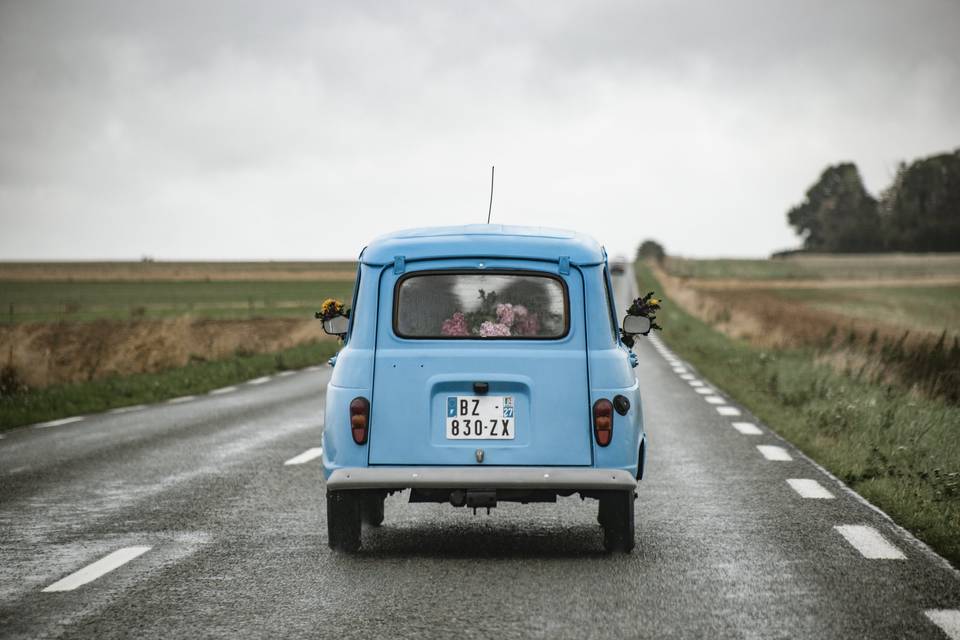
284 374
772 452
259 380
948 620
695 383
728 411
704 391
181 399
747 428
93 571
136 407
688 376
714 399
306 456
869 542
222 390
808 488
57 423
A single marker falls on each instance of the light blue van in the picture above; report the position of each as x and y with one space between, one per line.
482 364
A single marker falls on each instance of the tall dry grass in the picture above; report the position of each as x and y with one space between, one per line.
924 362
45 354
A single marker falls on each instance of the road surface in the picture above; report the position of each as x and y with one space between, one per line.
204 517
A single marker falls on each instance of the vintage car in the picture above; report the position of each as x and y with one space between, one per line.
482 364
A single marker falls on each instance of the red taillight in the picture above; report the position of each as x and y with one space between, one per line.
359 419
603 421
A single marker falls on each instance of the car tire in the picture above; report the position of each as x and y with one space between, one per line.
343 520
372 509
616 516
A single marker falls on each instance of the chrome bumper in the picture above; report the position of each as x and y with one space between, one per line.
572 478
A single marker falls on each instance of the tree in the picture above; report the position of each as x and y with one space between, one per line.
921 209
838 213
651 249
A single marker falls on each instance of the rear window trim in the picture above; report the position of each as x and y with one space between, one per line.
473 272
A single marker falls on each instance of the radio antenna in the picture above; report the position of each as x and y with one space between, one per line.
490 209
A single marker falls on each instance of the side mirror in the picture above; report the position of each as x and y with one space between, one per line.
337 325
635 325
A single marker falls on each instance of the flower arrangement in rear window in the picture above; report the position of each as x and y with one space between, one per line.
493 319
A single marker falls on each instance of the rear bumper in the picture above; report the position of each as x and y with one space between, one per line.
561 478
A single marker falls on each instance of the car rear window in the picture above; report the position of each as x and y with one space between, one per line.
482 306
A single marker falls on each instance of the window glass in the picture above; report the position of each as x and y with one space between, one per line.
611 308
481 306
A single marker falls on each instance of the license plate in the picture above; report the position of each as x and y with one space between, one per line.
480 418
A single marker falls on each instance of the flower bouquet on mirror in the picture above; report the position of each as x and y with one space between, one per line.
331 309
335 317
645 307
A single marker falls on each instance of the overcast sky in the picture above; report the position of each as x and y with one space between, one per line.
278 130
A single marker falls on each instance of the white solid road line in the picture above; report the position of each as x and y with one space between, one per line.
869 542
747 428
728 411
130 409
808 488
259 380
948 620
284 374
306 456
222 390
714 399
704 390
93 571
181 399
773 452
57 423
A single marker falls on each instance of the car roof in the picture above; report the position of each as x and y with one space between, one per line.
484 240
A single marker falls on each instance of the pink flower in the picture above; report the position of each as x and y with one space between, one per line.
505 313
455 326
493 329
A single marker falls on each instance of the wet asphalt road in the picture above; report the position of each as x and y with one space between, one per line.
726 548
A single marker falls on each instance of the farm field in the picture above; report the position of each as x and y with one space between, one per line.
78 292
801 298
64 324
833 267
931 309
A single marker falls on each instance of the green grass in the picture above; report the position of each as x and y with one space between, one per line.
899 451
933 308
199 377
821 267
46 301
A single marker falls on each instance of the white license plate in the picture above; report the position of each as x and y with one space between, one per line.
480 418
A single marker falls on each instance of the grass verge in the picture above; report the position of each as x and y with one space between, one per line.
60 401
898 450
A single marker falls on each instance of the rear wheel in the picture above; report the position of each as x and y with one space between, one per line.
617 519
372 509
343 520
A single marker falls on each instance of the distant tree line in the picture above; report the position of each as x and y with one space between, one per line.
920 211
651 250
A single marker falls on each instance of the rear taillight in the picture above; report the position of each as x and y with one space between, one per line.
359 419
603 421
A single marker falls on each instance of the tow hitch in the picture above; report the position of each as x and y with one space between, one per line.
474 499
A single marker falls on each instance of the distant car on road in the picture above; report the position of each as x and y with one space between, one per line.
482 364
